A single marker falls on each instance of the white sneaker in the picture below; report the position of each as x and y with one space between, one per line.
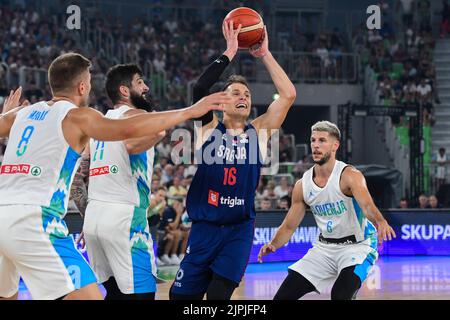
181 257
174 259
166 260
159 262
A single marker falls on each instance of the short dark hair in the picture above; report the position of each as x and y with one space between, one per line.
235 79
120 75
64 71
161 188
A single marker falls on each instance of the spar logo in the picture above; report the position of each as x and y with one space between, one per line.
103 170
15 169
20 169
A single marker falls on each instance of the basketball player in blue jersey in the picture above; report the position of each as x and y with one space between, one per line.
119 245
220 201
349 222
43 152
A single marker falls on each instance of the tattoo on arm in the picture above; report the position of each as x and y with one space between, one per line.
79 187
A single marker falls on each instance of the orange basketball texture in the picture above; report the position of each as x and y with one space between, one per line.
252 31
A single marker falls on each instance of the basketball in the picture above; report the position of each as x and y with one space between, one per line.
252 31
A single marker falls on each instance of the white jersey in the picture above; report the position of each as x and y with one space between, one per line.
39 165
441 159
337 215
115 175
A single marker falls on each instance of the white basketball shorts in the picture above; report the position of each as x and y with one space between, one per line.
119 245
35 245
323 263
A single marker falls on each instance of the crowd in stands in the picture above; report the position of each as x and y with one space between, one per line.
424 202
403 60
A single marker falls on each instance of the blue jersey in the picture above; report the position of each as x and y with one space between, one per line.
224 186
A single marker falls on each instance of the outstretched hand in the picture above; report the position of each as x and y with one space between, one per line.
265 250
261 49
13 100
385 232
231 36
214 101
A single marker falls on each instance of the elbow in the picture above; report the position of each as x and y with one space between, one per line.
161 134
291 95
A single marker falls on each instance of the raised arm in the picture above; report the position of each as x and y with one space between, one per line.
9 110
290 223
213 72
278 109
353 181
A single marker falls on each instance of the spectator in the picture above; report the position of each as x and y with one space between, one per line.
441 168
283 189
266 204
186 182
169 234
423 201
434 203
424 14
163 147
157 206
155 184
167 174
269 192
407 11
177 190
259 194
284 203
286 149
302 166
445 24
403 203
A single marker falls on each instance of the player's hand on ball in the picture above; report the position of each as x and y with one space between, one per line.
265 250
262 49
231 36
214 101
385 232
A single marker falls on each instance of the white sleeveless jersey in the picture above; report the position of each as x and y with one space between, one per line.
39 165
337 215
441 159
115 175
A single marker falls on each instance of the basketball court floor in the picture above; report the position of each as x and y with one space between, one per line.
402 278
